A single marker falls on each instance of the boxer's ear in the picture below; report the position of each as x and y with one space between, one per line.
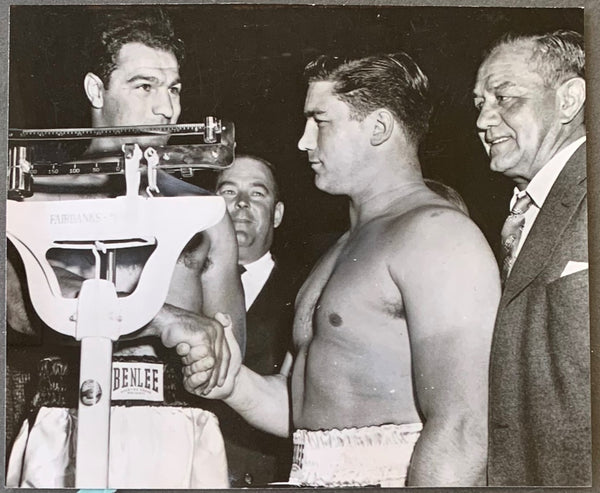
94 89
383 126
278 214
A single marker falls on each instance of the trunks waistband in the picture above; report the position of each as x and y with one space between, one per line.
366 456
136 381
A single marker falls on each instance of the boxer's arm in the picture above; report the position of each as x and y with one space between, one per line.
449 283
263 401
221 288
206 281
221 284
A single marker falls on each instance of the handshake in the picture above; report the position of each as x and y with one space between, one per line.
209 351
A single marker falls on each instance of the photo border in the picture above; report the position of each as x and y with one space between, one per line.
592 41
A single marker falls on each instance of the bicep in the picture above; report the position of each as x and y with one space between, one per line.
221 285
450 287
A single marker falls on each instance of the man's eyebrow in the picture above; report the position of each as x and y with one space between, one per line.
151 79
309 113
225 182
146 78
498 87
260 184
503 85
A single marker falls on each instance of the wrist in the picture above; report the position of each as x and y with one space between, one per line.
160 325
233 399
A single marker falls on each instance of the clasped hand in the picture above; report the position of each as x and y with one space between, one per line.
202 370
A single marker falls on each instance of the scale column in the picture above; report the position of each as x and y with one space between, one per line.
98 325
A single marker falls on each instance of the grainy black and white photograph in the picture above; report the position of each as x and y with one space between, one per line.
296 245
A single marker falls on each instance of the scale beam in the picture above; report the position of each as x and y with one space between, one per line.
43 153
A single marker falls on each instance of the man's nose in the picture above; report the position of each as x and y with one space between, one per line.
488 117
163 105
242 201
308 139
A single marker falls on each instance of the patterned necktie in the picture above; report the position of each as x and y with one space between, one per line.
511 233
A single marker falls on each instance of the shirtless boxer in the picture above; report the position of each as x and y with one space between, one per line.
135 81
393 326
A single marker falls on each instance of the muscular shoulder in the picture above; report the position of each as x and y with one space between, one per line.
431 226
436 238
447 276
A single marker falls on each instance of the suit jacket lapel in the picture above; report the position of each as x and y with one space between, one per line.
565 196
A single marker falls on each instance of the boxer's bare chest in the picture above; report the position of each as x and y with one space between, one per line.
351 335
349 283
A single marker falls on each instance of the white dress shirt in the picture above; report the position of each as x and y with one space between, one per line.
255 277
539 187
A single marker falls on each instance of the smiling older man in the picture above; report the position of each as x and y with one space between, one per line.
530 92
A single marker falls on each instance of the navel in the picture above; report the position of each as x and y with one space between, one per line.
335 319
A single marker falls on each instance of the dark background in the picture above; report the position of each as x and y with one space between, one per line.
244 63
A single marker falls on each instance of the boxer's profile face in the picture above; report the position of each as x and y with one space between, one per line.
335 141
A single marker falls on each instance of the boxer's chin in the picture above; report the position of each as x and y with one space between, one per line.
115 144
152 141
142 141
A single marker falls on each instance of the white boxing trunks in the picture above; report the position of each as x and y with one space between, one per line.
158 445
368 456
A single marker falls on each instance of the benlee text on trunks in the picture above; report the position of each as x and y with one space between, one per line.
137 380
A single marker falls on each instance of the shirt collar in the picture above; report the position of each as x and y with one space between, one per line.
263 263
540 185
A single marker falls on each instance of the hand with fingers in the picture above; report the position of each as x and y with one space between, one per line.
185 330
198 364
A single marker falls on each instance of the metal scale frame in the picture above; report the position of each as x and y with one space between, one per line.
98 317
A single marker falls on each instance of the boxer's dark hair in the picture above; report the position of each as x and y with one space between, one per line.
146 25
392 81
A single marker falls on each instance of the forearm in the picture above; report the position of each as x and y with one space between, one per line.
221 285
223 292
450 453
262 401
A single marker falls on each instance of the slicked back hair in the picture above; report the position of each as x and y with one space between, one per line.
149 26
557 56
392 81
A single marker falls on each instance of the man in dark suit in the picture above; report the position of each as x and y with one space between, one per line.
252 195
530 92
